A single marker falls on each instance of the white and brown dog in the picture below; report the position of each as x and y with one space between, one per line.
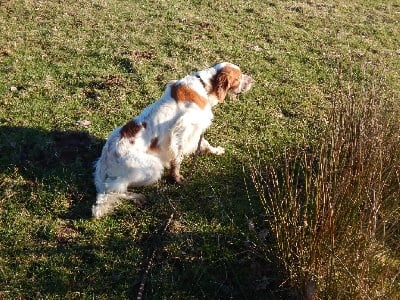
135 154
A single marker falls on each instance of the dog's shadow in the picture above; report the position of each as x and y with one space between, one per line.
57 161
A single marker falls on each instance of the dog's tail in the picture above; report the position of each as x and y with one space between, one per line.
106 202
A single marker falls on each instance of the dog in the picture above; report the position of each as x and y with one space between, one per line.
136 153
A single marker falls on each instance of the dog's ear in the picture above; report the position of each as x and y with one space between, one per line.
222 84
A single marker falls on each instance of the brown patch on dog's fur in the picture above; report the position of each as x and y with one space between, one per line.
206 150
154 145
130 129
182 92
227 78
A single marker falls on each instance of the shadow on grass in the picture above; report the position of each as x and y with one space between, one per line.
59 161
108 257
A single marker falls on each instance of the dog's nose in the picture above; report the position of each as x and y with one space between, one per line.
247 83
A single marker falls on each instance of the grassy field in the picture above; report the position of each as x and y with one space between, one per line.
71 71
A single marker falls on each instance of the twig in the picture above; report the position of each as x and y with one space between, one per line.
151 261
349 272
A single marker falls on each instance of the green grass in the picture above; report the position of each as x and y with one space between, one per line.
104 61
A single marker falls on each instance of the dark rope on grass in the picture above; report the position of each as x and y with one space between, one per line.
150 262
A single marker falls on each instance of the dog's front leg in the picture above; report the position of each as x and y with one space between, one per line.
205 147
175 170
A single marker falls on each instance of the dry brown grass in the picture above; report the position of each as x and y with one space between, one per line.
333 208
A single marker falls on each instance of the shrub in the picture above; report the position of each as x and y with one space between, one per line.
332 208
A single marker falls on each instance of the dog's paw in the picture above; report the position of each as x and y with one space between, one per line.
218 150
138 199
179 179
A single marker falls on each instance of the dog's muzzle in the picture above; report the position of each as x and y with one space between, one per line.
246 82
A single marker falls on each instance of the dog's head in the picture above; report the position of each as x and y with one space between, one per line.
230 79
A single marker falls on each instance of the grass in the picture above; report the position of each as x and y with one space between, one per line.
104 61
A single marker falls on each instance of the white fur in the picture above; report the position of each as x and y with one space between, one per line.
176 126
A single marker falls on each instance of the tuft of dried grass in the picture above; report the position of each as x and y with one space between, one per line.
333 208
